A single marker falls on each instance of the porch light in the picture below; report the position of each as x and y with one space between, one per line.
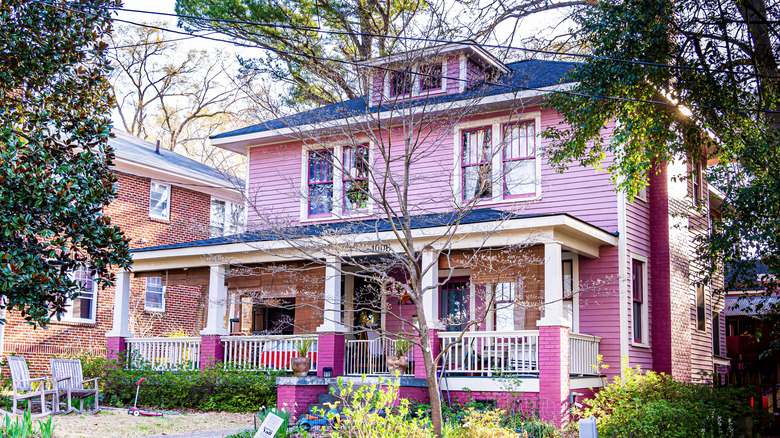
327 372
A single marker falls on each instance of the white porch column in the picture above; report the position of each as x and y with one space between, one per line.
429 280
217 303
332 305
553 287
121 327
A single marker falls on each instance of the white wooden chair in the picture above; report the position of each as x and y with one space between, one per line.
69 376
22 386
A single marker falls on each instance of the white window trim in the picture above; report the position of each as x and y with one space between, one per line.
338 183
164 292
415 78
575 287
68 315
228 206
167 216
646 305
496 124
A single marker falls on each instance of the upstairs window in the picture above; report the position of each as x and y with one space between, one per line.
355 178
520 159
697 184
227 218
639 316
400 83
431 77
701 322
154 299
476 163
84 307
320 183
160 201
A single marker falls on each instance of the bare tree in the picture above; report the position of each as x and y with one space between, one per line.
178 97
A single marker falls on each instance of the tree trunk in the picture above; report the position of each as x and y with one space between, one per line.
433 384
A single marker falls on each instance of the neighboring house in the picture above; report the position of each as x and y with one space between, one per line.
630 265
162 198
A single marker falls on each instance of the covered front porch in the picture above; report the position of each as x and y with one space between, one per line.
491 321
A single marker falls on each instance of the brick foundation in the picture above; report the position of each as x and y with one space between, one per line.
296 398
509 401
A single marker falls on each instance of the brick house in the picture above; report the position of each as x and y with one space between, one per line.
162 198
639 254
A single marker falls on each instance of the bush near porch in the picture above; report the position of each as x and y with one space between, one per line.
653 405
213 389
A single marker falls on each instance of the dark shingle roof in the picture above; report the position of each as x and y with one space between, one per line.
525 75
132 148
351 227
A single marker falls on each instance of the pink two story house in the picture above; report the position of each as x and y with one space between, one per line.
605 277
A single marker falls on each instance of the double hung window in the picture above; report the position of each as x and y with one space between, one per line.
400 83
154 298
83 307
701 322
320 182
519 159
431 77
568 291
476 163
638 297
454 305
355 178
160 201
227 218
508 315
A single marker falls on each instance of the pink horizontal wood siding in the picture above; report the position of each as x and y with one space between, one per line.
453 74
600 304
275 180
638 243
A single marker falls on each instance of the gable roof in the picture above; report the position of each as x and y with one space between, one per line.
132 149
525 75
357 227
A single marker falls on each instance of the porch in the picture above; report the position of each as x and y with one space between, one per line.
493 320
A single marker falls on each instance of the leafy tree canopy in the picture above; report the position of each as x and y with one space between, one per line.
54 155
315 65
686 79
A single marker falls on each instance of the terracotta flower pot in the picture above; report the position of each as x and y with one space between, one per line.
300 366
397 365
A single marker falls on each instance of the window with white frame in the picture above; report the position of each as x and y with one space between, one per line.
400 83
639 300
498 161
519 157
477 163
567 268
337 181
160 201
227 218
431 77
701 300
509 316
84 307
154 298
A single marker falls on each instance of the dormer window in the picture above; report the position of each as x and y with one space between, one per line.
431 77
400 83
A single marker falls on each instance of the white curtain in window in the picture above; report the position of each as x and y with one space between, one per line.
159 201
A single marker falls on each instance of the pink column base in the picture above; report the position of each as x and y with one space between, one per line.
115 347
211 351
554 374
330 353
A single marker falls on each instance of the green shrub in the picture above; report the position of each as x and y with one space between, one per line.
654 405
213 389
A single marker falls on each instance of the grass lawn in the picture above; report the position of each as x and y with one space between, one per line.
118 423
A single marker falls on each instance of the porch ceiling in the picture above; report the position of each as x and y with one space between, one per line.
573 234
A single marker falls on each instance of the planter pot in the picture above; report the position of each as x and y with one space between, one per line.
300 366
397 365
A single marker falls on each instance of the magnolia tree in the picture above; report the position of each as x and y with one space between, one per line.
405 215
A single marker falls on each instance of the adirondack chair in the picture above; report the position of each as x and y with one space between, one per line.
69 376
22 388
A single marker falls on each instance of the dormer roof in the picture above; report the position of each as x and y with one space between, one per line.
474 51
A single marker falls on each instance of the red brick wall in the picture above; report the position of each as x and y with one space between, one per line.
189 220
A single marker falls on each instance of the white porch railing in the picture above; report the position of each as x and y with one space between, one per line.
265 352
164 353
583 354
370 357
488 353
